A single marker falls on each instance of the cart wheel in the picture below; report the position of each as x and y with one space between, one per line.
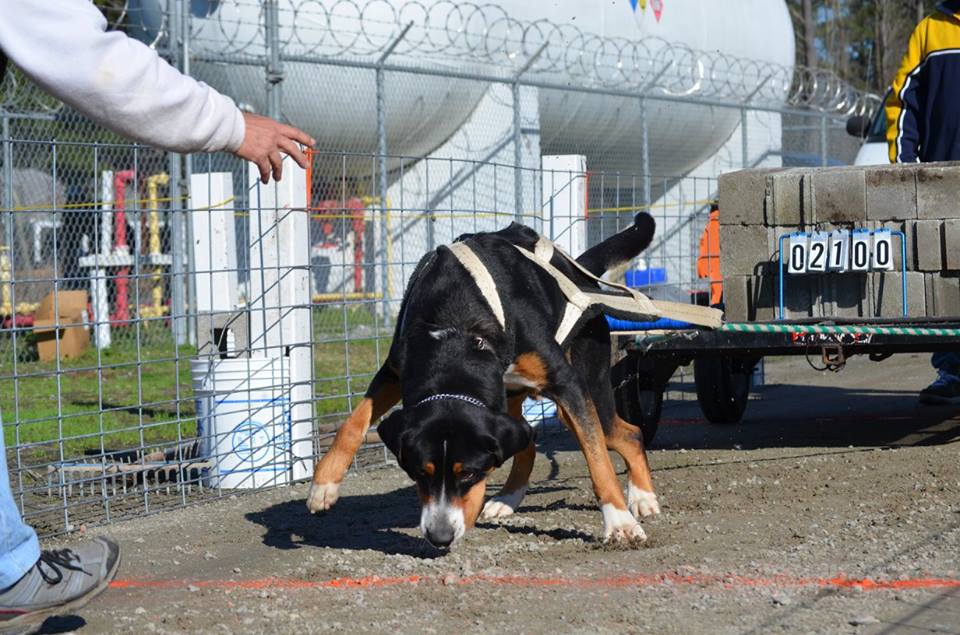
723 386
640 406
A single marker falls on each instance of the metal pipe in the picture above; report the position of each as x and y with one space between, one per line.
744 149
273 63
382 159
7 277
517 136
154 182
645 155
121 248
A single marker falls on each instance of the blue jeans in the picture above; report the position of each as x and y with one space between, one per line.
19 547
947 362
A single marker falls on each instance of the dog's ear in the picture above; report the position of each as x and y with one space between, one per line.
509 436
391 431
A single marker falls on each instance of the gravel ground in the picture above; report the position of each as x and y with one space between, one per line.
830 477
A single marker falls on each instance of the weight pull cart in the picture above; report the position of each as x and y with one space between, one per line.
724 359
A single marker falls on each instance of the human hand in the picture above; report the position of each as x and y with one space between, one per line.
264 139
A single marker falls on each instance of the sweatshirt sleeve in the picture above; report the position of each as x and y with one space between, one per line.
902 105
118 82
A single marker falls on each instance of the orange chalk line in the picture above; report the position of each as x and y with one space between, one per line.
725 581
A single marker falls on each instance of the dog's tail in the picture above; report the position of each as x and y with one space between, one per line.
621 247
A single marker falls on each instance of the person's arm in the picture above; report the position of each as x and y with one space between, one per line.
122 84
903 105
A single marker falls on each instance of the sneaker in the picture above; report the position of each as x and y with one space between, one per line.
945 390
62 580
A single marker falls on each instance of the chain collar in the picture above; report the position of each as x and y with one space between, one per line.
444 395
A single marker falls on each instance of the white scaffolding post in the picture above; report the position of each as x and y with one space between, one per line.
279 302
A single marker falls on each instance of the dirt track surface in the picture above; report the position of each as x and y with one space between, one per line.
834 507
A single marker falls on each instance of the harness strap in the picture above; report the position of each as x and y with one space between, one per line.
538 250
480 275
638 302
579 301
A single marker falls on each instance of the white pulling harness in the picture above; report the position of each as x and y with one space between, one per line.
612 298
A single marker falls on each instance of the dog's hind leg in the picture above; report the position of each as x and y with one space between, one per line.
508 499
626 440
383 393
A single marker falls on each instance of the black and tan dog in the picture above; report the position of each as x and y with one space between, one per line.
483 325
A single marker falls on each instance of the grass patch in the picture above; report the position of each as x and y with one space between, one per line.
132 397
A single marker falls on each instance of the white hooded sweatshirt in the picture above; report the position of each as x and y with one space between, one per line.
119 82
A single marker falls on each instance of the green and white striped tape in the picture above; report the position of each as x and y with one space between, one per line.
745 327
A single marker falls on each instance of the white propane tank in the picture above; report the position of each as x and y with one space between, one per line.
723 47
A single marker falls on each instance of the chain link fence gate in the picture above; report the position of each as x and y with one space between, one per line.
144 295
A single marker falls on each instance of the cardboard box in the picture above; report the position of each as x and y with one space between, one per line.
62 315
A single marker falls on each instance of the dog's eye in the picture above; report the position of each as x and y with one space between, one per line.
467 477
479 343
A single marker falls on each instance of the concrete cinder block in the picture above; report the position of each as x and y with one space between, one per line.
736 298
838 196
946 295
801 296
887 294
950 236
927 245
743 248
742 196
891 192
938 191
763 297
223 334
788 195
844 295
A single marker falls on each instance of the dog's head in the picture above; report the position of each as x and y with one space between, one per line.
448 447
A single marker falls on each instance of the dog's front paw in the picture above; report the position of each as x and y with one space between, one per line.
502 505
641 502
322 496
620 527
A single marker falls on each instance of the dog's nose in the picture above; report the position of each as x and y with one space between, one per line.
440 536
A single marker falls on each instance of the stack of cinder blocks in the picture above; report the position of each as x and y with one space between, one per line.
758 206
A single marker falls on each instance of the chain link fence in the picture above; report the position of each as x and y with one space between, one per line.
148 299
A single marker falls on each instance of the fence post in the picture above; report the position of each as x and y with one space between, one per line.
7 181
177 294
645 155
274 67
517 156
823 139
645 135
382 169
8 230
745 150
175 16
189 294
518 137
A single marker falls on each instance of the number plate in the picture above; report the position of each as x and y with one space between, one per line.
797 254
881 258
840 251
817 253
839 257
860 250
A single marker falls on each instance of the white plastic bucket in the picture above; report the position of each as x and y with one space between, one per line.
243 421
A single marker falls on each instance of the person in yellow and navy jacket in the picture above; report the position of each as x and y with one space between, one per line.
923 109
923 124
